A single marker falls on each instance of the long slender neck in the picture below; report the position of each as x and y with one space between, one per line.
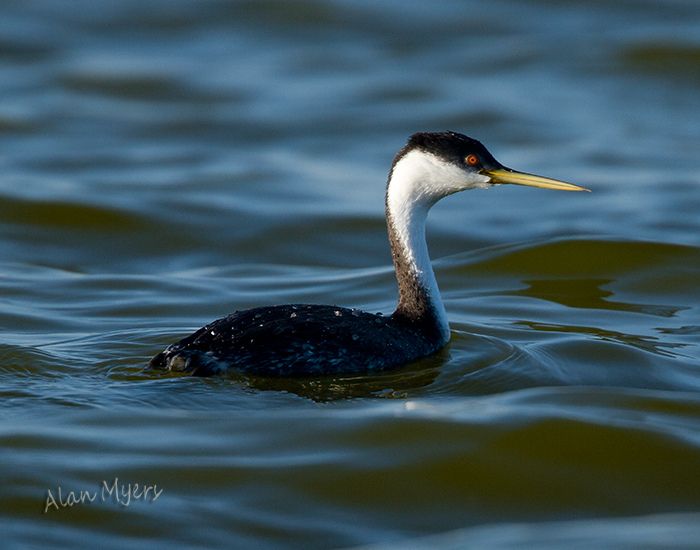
407 207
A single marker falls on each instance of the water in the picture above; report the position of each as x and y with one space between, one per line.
165 162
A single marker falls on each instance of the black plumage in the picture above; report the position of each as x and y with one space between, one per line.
450 146
299 340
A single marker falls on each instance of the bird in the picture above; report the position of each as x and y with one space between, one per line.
310 340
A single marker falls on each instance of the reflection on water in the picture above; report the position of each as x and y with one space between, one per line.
395 385
165 162
646 343
587 294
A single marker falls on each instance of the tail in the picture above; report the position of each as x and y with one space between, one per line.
158 362
193 362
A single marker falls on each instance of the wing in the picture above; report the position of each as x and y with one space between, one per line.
295 340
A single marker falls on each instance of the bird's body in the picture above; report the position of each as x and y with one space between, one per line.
314 340
300 339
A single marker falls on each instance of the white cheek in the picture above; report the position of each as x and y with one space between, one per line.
445 178
426 178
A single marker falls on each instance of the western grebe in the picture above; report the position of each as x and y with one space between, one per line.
312 340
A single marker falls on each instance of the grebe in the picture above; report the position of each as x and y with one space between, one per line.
313 340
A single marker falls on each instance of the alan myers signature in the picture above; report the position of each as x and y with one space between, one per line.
115 491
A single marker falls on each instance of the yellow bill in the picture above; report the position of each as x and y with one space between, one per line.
506 175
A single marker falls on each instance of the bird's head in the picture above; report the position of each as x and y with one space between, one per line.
433 165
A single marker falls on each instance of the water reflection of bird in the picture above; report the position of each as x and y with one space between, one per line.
311 340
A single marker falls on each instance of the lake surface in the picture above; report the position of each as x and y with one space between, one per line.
165 162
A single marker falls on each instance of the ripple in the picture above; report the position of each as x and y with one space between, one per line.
62 215
587 293
679 60
132 84
635 531
581 257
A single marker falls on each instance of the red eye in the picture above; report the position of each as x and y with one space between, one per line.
472 160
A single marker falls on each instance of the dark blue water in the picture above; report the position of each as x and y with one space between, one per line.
163 163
